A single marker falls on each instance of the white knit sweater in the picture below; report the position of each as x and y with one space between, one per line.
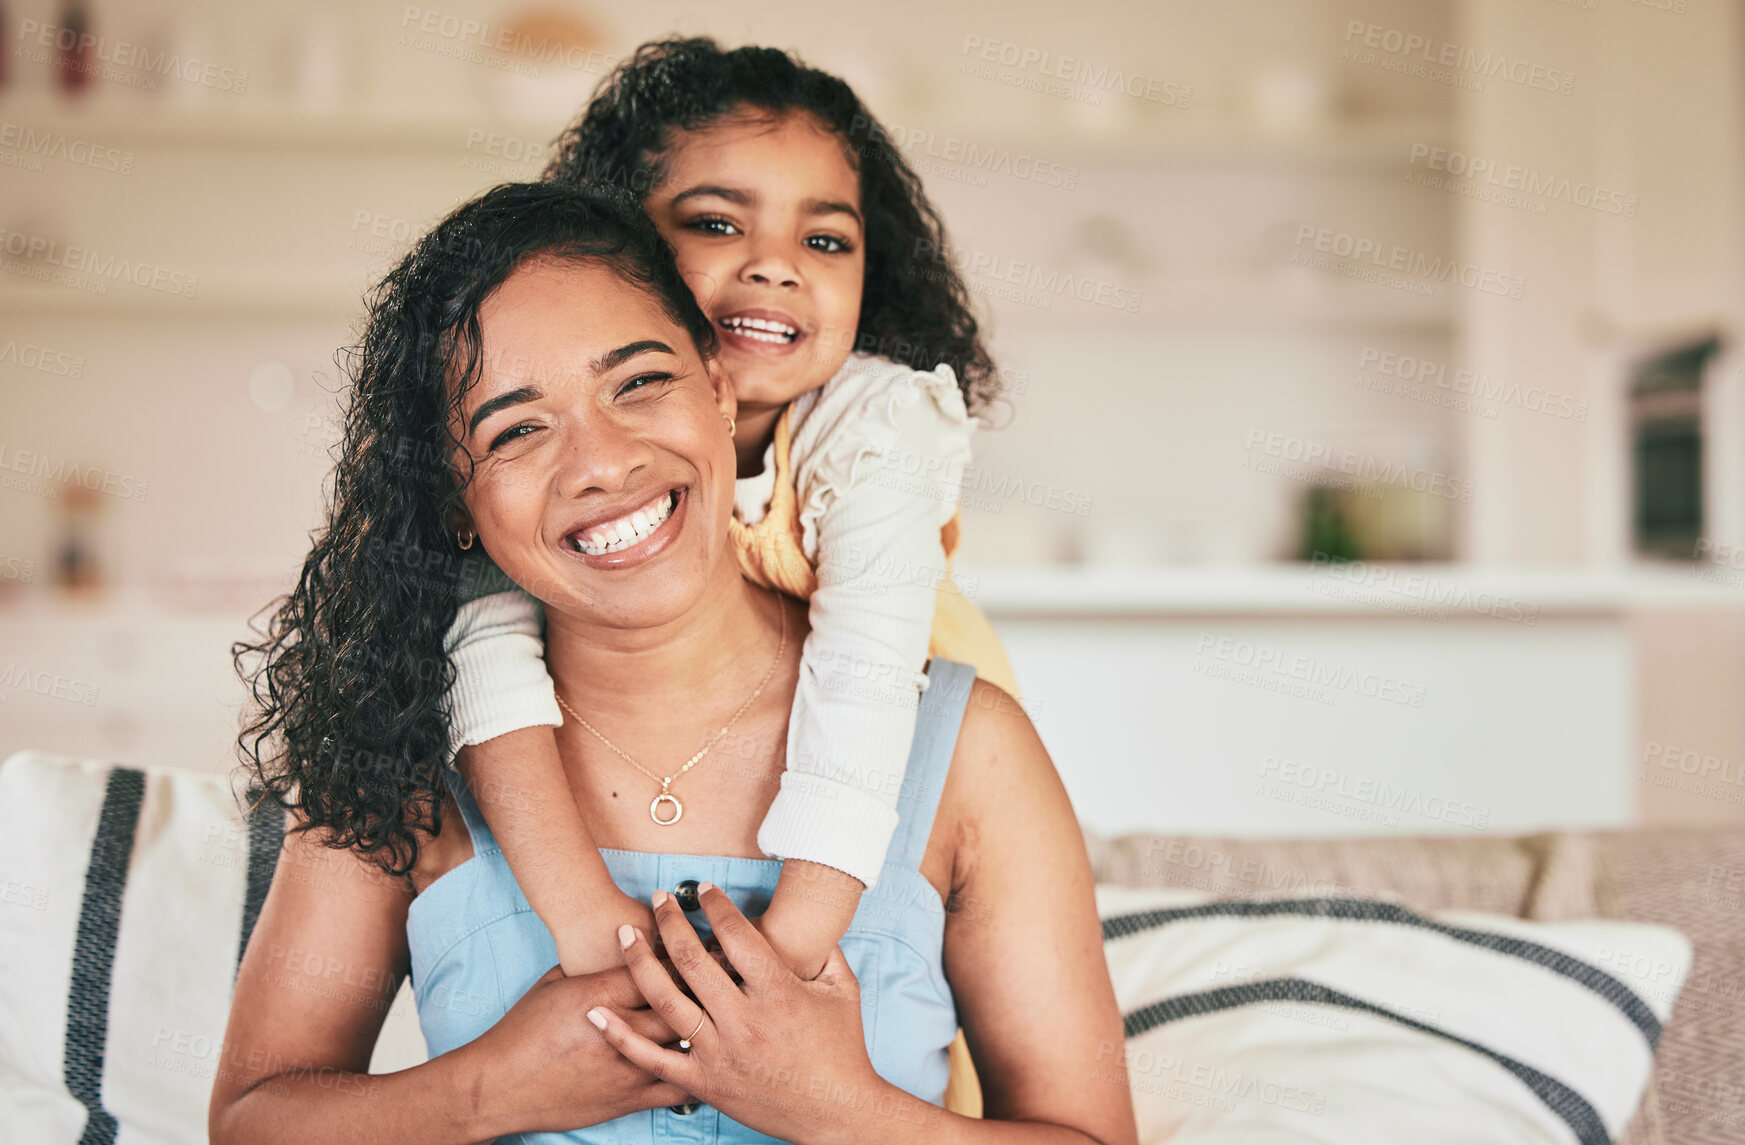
877 455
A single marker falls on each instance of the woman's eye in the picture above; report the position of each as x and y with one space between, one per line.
713 225
829 244
643 381
511 434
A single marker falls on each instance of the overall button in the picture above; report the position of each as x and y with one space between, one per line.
686 893
686 1109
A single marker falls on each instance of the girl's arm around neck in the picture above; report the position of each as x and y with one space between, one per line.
517 781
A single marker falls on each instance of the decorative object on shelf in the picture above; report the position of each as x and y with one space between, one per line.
1108 241
320 72
1377 494
73 49
223 583
546 62
78 571
191 37
271 386
1326 535
1290 97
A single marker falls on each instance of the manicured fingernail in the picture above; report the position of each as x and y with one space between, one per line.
701 887
660 896
598 1017
626 935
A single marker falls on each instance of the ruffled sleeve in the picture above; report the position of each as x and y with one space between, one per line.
909 427
879 454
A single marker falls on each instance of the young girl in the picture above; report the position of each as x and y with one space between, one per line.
857 365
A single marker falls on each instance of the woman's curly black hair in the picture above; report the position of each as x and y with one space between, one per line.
914 307
349 675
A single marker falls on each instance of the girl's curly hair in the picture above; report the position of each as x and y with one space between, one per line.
349 676
914 307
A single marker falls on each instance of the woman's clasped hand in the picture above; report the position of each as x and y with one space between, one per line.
780 1054
559 1071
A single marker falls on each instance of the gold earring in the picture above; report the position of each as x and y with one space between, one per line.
731 426
467 542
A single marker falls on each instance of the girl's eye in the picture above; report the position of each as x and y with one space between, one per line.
713 225
829 244
643 381
513 433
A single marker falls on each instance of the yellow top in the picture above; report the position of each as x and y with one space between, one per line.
771 554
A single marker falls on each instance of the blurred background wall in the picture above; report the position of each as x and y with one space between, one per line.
1373 454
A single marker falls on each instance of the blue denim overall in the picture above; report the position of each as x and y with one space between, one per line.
477 946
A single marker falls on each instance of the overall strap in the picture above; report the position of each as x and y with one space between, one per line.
477 829
937 722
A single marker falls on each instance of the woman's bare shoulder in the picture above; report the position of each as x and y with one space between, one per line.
1001 779
322 965
1023 944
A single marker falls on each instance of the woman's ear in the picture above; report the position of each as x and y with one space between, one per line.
725 398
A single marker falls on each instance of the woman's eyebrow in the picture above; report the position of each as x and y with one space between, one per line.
612 359
507 398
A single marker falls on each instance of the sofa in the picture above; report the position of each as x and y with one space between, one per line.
126 896
1690 880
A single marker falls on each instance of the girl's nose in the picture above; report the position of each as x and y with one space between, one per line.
770 265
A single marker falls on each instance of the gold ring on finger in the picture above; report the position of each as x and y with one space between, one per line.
685 1043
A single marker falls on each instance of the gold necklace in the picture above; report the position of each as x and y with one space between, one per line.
666 795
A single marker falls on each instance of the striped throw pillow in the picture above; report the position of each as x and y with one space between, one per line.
1356 1020
126 898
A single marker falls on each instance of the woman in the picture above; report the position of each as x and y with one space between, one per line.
542 348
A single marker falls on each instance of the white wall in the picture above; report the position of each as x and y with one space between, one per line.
1145 414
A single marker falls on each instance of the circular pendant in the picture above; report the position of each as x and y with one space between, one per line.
654 809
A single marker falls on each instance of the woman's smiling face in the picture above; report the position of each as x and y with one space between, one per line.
765 217
603 475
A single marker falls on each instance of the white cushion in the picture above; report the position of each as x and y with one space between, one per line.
167 960
164 949
1356 1020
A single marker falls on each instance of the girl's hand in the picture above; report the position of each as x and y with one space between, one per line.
587 941
802 947
784 1056
550 1070
809 913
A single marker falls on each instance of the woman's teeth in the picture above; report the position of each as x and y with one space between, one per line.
626 530
762 329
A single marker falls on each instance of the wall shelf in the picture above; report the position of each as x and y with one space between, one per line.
1381 144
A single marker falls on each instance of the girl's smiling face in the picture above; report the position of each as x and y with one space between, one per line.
764 214
602 469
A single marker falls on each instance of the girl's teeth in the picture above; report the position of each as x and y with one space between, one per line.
762 329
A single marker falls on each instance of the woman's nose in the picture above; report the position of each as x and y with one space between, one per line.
601 453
